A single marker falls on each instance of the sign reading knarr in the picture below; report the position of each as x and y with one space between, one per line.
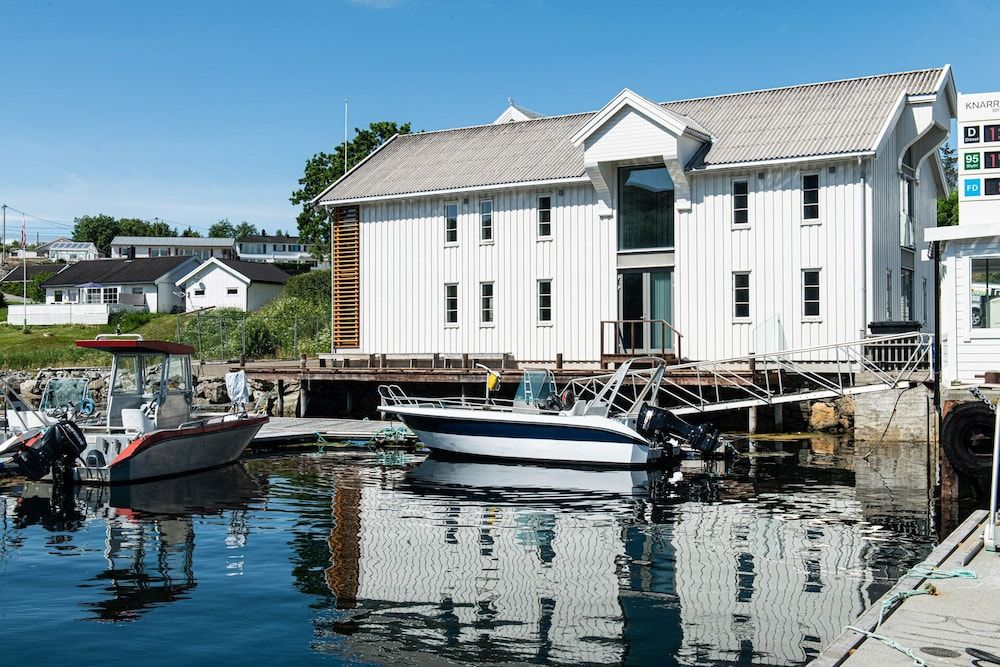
979 157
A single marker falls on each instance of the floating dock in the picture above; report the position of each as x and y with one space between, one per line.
936 629
291 430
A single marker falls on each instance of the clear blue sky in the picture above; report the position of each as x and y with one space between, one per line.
196 111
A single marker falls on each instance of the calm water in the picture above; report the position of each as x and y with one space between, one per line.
327 558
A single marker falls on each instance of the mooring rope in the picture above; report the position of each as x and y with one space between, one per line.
891 643
899 596
925 571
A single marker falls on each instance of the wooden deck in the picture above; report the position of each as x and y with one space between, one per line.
936 628
290 430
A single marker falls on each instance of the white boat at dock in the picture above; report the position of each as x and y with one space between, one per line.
603 420
148 431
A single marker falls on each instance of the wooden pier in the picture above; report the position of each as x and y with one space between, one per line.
291 430
936 628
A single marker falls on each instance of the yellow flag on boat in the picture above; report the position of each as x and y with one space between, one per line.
492 380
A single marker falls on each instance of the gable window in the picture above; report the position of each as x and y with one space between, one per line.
486 220
810 293
741 202
486 303
810 196
645 208
741 295
451 223
544 300
199 291
451 303
544 216
232 290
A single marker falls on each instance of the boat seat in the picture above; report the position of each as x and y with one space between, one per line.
579 409
135 420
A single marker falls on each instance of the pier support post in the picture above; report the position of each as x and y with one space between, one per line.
752 420
281 398
779 418
435 358
303 398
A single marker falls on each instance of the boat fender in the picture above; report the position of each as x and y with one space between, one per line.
967 438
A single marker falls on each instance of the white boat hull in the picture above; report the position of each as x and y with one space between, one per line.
588 440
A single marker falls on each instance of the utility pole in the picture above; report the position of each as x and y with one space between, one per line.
3 243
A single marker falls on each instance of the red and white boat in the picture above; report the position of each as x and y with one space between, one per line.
148 431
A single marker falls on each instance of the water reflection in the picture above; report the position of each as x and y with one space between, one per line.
149 536
762 561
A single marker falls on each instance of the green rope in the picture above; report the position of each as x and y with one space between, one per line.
891 643
899 596
925 571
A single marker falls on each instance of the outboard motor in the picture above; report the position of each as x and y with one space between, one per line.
54 449
660 425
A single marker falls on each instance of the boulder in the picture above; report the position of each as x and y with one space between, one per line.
822 416
30 388
845 406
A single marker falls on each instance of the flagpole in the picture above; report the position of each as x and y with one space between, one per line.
24 278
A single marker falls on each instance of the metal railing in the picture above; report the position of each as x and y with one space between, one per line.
643 332
825 371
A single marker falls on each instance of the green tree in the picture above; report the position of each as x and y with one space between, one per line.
137 227
191 233
223 229
949 159
947 210
35 290
243 230
97 229
322 169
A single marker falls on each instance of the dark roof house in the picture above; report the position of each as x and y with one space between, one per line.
117 271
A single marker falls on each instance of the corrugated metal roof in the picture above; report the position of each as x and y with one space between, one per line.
781 123
801 121
178 241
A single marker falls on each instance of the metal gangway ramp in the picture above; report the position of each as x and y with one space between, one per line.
876 363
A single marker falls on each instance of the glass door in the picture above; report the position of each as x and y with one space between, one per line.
645 302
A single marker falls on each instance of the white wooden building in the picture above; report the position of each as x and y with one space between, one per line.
748 222
228 283
133 247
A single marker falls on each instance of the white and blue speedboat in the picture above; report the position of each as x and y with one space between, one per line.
603 420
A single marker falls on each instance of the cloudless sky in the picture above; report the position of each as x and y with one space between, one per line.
196 111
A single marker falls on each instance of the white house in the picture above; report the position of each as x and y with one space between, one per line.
747 222
228 283
969 253
272 249
70 251
134 247
87 292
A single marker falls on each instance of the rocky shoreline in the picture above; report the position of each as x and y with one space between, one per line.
210 392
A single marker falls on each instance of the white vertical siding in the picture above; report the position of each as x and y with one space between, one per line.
968 352
405 264
774 247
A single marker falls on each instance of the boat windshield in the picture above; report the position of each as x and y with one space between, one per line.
63 392
536 385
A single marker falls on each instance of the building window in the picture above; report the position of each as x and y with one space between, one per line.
486 220
645 208
232 290
810 293
93 295
451 223
544 217
136 290
486 303
984 293
199 292
110 295
57 296
741 295
906 294
741 202
810 196
544 300
451 303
